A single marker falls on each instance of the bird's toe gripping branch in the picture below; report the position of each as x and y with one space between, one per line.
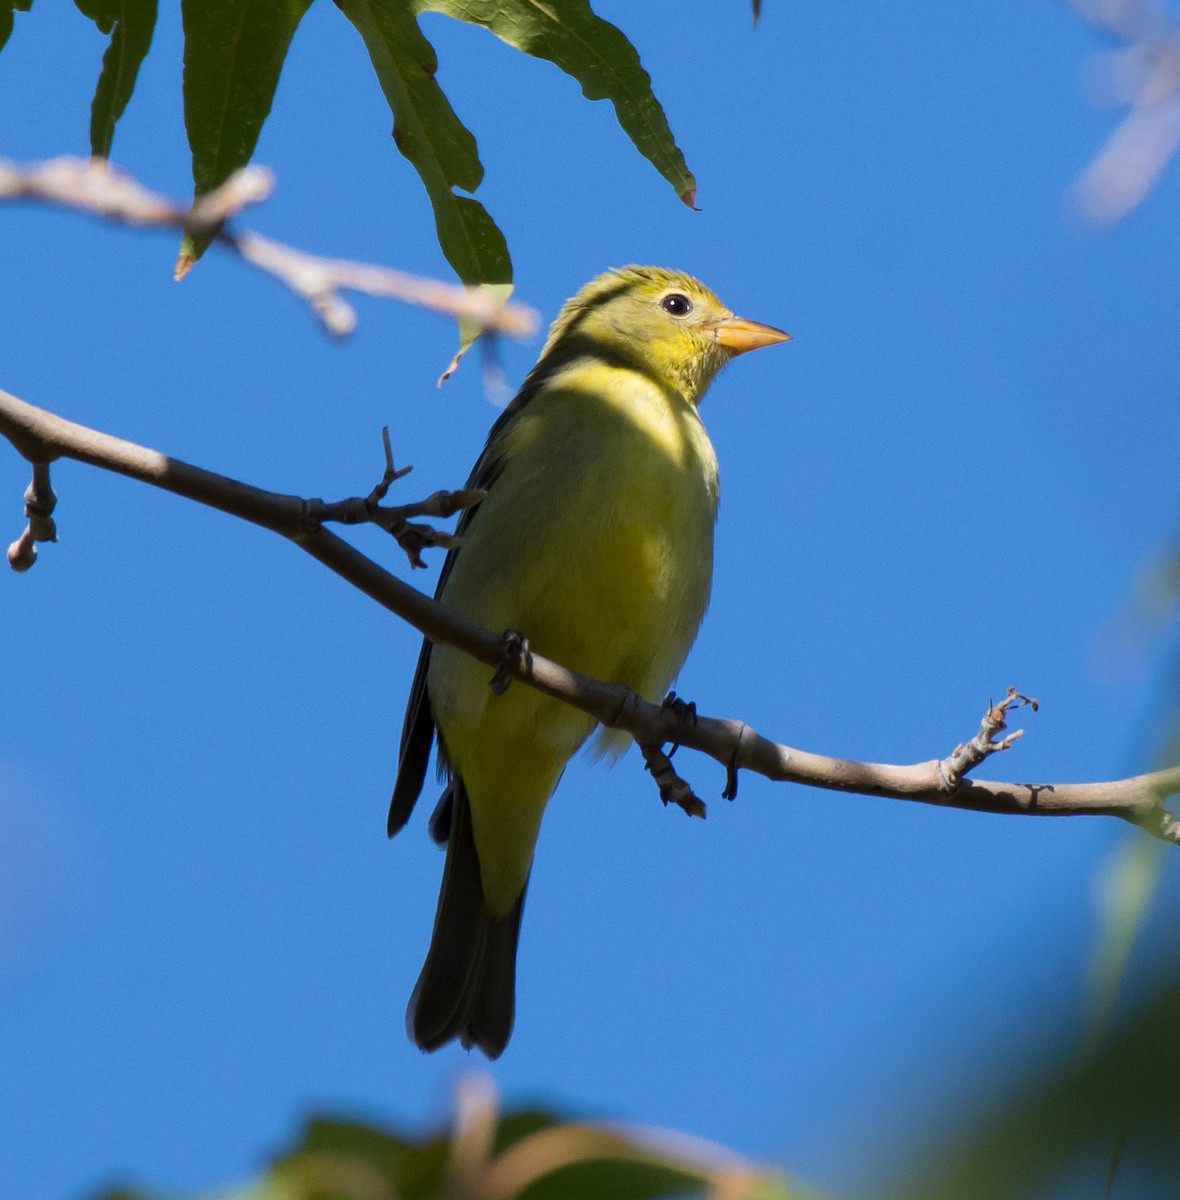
966 756
673 789
685 712
515 656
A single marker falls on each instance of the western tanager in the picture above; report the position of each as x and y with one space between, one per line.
595 542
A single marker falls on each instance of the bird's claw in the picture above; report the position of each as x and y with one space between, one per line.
516 654
673 789
685 712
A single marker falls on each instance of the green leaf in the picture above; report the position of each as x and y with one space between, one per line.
102 12
429 134
338 1157
340 1160
132 23
6 10
1040 1130
470 333
597 54
233 53
1126 888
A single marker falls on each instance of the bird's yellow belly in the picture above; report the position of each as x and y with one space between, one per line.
595 542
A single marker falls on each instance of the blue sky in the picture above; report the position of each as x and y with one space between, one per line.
946 484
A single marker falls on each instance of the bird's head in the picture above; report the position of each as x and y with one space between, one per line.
664 323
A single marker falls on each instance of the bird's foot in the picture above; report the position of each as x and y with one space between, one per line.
673 789
516 654
685 712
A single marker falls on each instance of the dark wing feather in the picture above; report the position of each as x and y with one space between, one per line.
414 753
418 726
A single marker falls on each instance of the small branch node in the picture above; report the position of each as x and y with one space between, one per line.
516 657
413 539
628 699
209 212
1162 824
23 552
966 756
367 510
390 475
40 501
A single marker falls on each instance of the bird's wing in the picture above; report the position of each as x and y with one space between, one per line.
414 753
418 727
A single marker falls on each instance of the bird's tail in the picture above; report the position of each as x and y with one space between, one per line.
467 988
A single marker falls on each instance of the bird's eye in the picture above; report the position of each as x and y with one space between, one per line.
677 304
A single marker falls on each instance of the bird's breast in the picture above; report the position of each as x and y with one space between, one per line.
596 537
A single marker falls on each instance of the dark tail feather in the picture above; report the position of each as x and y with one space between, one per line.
467 989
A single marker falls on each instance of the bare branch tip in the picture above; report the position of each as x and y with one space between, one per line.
1015 699
337 316
388 477
40 501
1169 827
22 554
968 755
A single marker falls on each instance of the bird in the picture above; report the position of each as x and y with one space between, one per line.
593 542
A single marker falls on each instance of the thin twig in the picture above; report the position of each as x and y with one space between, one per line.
42 436
94 186
413 539
966 756
1143 75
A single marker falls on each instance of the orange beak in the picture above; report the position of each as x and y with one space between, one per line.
739 335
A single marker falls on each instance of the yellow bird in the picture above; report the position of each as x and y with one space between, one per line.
595 542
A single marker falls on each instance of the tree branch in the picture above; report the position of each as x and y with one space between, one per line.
1143 75
413 539
42 437
94 186
39 505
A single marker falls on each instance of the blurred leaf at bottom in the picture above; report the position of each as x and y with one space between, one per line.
487 1155
1116 1112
